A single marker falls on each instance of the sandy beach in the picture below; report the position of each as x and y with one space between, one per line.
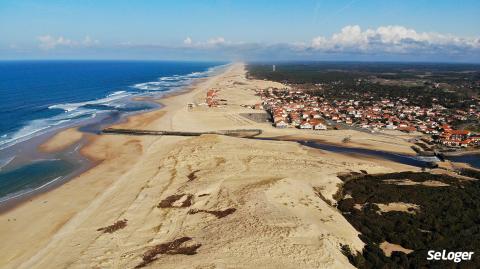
275 194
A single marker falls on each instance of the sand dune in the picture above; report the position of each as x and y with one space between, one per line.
227 202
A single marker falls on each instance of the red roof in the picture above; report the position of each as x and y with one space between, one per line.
459 132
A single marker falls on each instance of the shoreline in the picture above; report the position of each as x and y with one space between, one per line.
61 140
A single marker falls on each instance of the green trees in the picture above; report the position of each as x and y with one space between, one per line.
449 218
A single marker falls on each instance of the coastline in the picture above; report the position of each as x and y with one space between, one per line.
72 139
135 173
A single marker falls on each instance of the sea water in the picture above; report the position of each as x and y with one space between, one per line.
39 97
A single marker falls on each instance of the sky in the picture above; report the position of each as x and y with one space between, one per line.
357 30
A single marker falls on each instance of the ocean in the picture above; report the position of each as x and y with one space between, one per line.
40 97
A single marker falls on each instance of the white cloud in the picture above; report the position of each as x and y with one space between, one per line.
89 42
209 44
48 42
391 38
384 42
188 41
216 41
350 40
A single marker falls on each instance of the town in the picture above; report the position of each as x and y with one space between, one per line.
297 108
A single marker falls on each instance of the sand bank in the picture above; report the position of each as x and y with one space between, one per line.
62 140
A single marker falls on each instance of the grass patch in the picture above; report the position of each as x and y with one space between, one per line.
169 248
192 175
114 227
170 201
217 213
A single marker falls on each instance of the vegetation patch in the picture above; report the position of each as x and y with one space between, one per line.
318 192
114 227
170 201
473 173
448 219
217 213
349 176
192 175
169 248
429 183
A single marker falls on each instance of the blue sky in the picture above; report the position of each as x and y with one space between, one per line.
241 30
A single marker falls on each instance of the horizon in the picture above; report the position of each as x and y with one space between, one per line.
257 62
347 30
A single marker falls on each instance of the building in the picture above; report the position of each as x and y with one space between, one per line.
281 124
306 125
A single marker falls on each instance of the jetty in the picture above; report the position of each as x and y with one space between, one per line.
234 133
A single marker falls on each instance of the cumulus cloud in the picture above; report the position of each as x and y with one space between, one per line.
391 42
392 38
89 42
209 44
351 42
352 39
216 41
188 41
48 42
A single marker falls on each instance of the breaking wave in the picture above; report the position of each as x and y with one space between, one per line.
115 101
176 81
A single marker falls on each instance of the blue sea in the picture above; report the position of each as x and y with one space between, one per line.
39 97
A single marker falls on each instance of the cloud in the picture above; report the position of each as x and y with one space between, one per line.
89 42
187 41
209 44
389 42
48 42
216 41
351 40
391 39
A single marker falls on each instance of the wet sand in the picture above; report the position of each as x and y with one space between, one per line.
62 140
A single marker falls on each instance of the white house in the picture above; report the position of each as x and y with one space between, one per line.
320 126
281 124
305 125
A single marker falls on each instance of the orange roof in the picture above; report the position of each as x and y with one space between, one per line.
459 132
315 121
446 126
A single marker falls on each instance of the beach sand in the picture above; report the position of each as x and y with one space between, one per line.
62 140
275 192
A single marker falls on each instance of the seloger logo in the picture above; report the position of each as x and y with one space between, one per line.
455 256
